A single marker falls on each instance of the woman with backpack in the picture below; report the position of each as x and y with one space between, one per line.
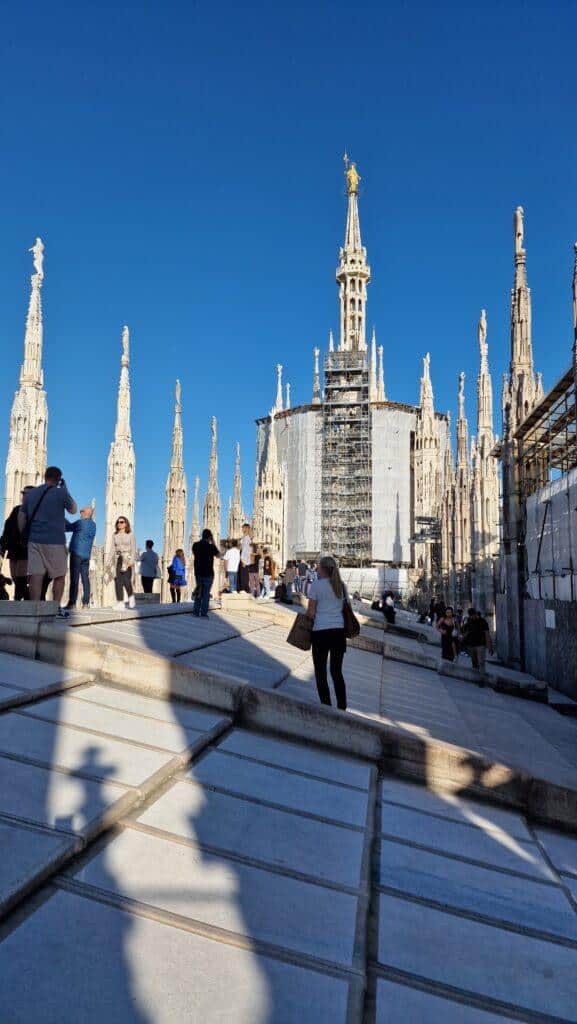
177 575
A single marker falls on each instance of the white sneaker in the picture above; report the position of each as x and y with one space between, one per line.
131 602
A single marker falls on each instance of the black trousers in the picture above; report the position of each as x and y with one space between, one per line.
122 582
147 582
175 595
330 642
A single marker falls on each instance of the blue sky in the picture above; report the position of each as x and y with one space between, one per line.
183 164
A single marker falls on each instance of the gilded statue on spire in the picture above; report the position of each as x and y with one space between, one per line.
353 177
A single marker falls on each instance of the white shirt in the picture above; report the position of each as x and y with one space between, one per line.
232 560
329 607
245 545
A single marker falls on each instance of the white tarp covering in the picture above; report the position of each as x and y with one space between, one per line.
551 539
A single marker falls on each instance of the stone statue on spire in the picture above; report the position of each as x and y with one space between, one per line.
519 230
482 333
461 395
125 346
353 177
37 251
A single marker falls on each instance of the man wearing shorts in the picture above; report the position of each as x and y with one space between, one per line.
44 516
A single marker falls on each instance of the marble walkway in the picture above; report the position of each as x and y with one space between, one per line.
160 865
522 733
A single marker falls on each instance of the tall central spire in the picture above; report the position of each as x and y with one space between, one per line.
31 372
353 273
122 429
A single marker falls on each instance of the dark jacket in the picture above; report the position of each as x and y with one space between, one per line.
204 556
11 540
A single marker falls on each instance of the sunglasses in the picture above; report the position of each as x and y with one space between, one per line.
119 521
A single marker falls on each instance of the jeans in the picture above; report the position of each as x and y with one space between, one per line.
122 582
478 659
333 642
202 596
147 584
79 569
266 582
232 577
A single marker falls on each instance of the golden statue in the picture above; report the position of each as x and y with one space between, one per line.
353 177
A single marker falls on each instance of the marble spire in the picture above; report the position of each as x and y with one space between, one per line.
316 378
26 460
521 384
462 429
211 517
426 394
484 385
121 459
236 516
268 504
373 368
287 404
195 524
381 396
278 404
353 273
331 342
175 502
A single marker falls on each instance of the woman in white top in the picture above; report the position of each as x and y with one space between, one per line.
121 559
327 596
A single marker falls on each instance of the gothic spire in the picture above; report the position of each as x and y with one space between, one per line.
287 404
373 368
380 376
521 343
31 372
426 395
353 273
212 497
462 428
122 429
26 459
236 515
484 385
195 527
332 340
175 504
316 378
121 459
278 405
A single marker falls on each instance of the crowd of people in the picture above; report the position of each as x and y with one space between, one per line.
468 633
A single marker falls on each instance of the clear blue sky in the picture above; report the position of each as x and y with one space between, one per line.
183 164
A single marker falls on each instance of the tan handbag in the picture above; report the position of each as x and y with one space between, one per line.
301 632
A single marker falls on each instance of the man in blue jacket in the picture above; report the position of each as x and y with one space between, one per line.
83 532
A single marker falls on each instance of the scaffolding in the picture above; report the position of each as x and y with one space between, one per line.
346 516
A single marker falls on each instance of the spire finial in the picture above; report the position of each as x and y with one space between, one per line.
125 361
352 175
279 387
482 335
177 393
287 404
332 341
461 395
381 397
519 230
316 378
37 251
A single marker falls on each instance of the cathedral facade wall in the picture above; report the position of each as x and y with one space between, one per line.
391 485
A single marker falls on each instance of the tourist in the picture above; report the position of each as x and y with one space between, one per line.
121 559
477 639
177 575
448 630
289 579
326 601
13 544
300 579
440 608
83 532
205 551
148 567
280 592
311 577
432 611
42 520
254 573
245 557
268 572
389 607
231 564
